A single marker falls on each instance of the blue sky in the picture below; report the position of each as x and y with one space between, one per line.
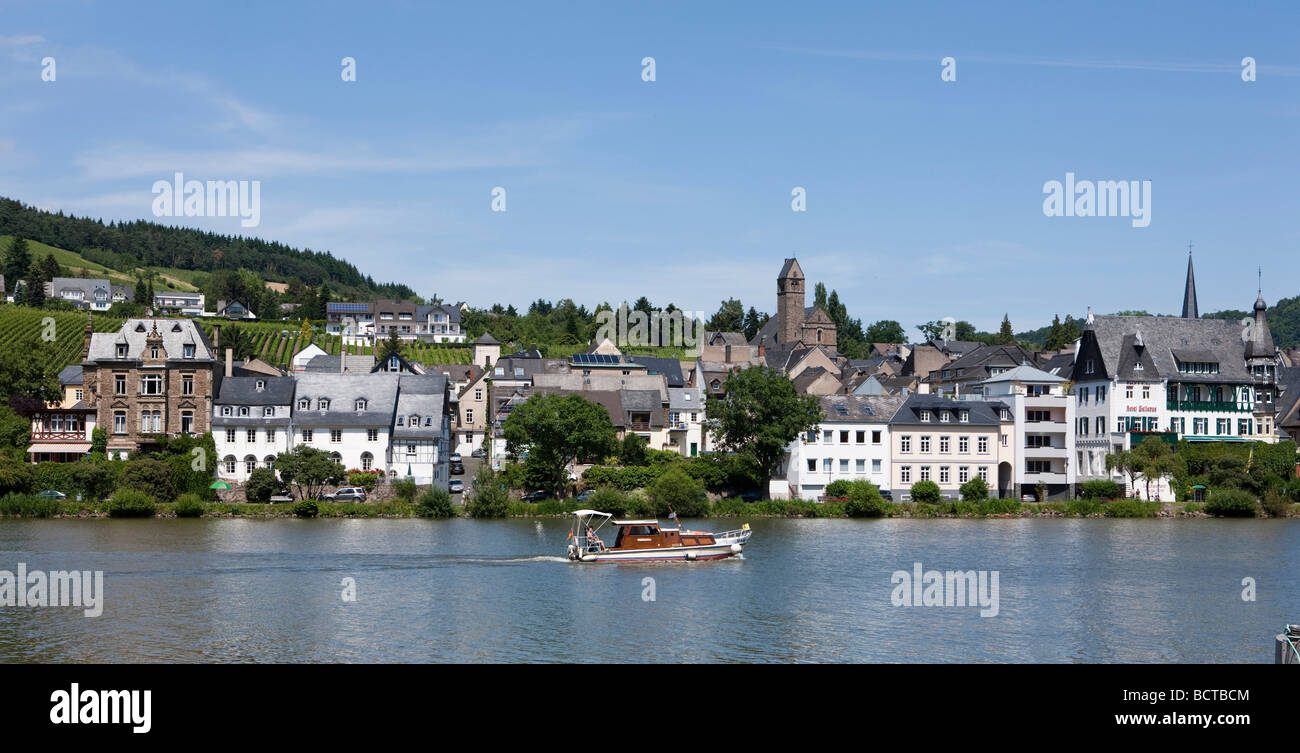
924 197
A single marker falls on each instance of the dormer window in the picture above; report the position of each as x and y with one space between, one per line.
963 416
268 412
261 385
361 404
399 421
304 403
428 420
243 410
225 410
323 403
121 351
415 420
189 351
925 415
945 416
153 353
1089 367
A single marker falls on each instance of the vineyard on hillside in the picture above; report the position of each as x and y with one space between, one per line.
276 343
20 322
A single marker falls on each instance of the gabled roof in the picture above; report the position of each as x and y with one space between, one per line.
343 390
671 368
1024 373
422 395
70 375
175 334
872 409
244 391
982 412
1163 335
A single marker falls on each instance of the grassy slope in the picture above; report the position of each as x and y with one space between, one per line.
184 280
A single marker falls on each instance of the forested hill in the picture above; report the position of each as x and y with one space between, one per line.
127 245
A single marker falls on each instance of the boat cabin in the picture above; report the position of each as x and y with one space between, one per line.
646 534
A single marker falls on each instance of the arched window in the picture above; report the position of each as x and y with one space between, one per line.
367 461
269 461
229 462
336 457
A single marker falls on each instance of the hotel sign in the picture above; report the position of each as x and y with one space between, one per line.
1142 409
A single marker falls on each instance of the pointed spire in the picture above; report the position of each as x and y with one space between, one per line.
1189 294
1091 321
1261 338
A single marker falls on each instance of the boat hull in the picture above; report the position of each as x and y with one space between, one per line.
665 554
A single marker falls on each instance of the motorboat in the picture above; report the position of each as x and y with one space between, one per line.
647 540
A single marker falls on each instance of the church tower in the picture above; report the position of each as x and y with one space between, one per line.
1189 294
790 291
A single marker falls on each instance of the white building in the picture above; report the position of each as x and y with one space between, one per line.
302 357
686 432
1044 427
251 424
395 423
852 444
188 304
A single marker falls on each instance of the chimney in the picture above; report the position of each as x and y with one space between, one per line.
216 335
230 366
728 358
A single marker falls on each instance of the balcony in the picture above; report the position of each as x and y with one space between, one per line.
1220 406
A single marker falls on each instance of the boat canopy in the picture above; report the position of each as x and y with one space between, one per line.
651 522
587 513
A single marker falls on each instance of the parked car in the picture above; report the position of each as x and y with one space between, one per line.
750 497
887 494
537 496
585 494
346 494
52 494
457 468
284 495
454 457
1028 498
479 453
456 486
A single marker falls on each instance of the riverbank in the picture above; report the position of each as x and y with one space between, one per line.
31 507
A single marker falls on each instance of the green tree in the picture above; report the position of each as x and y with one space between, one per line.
36 284
885 331
27 381
556 430
309 470
931 330
632 450
1055 335
149 476
1006 336
675 491
261 485
754 321
975 490
760 416
17 260
729 318
927 492
491 496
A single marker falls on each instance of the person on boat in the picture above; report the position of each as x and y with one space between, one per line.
593 539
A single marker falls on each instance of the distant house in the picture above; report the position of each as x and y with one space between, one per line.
304 356
233 310
188 304
84 293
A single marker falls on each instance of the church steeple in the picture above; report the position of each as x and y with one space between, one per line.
1189 295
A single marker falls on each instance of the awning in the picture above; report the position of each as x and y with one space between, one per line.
77 447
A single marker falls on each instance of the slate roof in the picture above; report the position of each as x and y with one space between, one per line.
176 333
242 390
1024 373
422 395
857 409
977 363
486 339
671 368
982 412
1288 405
71 375
342 390
1162 335
330 364
728 338
452 312
686 399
